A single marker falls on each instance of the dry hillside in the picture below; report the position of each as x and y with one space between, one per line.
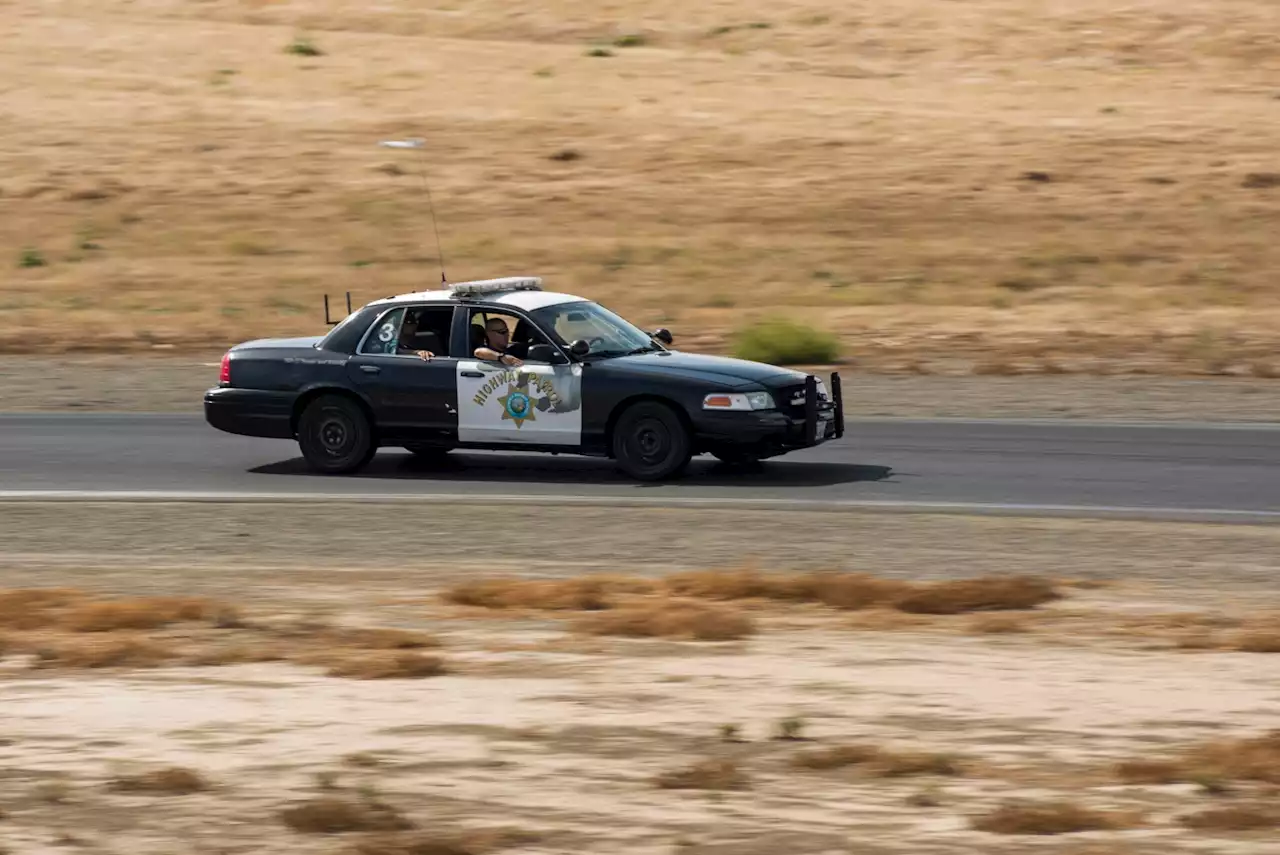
996 185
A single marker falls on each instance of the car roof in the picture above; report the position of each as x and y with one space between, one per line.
519 292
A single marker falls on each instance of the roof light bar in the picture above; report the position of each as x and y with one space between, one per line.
494 286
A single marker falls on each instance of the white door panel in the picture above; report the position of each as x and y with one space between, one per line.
536 403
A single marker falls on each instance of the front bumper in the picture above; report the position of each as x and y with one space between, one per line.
771 432
250 412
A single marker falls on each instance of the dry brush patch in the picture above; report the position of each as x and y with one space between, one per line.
1242 817
1254 759
1051 818
880 762
708 774
840 591
676 620
69 629
443 842
340 814
587 593
170 781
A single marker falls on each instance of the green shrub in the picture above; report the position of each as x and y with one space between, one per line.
31 258
784 342
302 46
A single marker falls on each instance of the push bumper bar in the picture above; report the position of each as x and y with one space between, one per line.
816 411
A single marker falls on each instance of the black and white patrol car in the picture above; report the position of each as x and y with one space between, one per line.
574 378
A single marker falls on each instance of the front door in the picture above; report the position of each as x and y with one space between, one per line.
534 404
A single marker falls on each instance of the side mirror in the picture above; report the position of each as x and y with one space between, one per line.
580 347
544 353
663 335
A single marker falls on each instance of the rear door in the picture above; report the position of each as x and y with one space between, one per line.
413 398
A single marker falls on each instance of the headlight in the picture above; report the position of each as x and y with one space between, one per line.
738 401
822 390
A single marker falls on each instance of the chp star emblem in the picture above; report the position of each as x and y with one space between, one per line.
516 406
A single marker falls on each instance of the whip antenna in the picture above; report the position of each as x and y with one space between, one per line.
418 144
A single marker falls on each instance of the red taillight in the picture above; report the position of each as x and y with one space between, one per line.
224 376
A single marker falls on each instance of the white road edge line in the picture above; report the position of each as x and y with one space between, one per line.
233 496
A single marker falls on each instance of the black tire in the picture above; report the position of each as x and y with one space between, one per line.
650 442
335 435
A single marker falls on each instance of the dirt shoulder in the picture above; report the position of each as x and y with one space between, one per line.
177 384
508 704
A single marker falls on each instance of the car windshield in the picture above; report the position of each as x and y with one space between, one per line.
607 333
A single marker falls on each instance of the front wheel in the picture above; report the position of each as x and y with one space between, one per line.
335 435
650 442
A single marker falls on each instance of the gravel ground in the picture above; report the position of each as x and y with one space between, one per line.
294 543
164 384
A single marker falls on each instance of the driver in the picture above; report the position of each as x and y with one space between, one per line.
497 347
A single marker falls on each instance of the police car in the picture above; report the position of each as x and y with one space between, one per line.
568 376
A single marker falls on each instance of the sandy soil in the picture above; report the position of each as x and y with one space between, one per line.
177 384
1015 186
562 736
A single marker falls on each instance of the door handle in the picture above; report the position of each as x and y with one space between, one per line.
370 369
472 374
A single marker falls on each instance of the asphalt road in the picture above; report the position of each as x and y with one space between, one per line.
1049 467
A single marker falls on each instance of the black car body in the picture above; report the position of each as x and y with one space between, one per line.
590 383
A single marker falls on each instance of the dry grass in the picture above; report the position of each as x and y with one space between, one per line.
1259 641
667 606
145 613
880 762
1051 818
1150 772
173 781
1234 818
338 815
989 593
389 666
856 591
1255 758
711 774
77 611
115 652
68 629
836 757
673 619
588 593
34 608
1073 188
441 842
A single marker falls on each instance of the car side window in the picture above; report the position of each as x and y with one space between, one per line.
427 328
385 334
521 334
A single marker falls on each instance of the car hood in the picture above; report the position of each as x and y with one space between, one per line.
697 366
279 343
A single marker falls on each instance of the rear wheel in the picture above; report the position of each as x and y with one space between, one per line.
335 435
650 442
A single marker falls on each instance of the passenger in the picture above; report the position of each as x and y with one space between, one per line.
408 330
